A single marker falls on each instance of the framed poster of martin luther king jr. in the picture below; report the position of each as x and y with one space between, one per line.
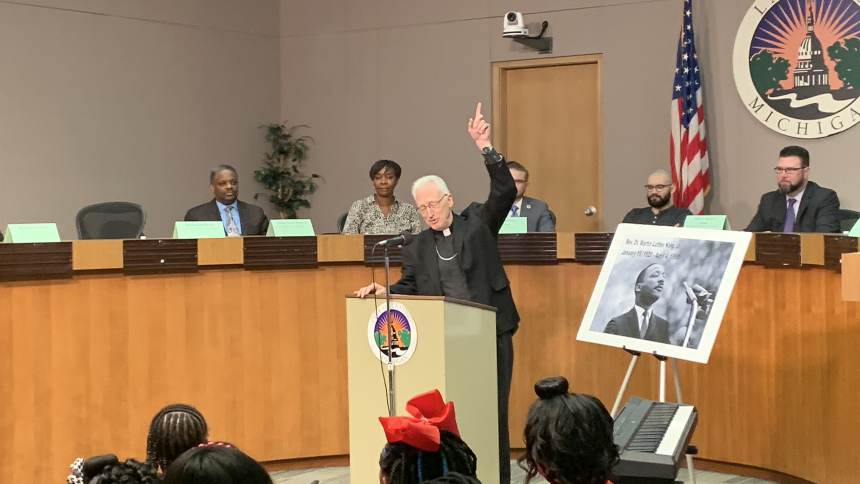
664 290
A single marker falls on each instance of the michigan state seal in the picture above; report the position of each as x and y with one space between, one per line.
797 65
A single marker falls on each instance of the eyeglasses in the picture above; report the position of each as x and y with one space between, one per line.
779 170
656 187
432 205
520 182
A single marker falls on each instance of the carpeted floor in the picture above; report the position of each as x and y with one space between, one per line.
340 475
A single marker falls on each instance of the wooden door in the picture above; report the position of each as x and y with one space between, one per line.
546 116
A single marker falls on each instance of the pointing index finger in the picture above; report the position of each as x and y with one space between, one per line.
478 111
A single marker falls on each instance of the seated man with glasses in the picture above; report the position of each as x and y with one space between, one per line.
658 189
458 257
797 205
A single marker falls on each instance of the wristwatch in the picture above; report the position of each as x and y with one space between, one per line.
487 149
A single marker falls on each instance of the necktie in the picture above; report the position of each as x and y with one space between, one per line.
789 216
232 230
514 211
644 326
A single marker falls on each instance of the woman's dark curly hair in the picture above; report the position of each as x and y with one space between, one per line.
568 436
129 472
403 464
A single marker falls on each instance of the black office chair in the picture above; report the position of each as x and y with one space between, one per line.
110 220
847 219
552 216
340 222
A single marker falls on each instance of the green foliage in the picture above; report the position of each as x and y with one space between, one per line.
847 59
767 72
405 338
379 337
282 173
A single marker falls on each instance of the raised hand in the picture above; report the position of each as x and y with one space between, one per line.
479 129
370 289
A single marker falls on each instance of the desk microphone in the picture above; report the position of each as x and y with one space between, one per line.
405 238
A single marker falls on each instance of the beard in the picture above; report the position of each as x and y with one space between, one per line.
785 190
659 202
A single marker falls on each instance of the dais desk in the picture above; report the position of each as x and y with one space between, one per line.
86 361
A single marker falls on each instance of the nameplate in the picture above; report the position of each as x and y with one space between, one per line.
198 230
855 230
29 233
716 222
293 227
514 225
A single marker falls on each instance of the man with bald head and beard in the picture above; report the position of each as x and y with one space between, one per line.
658 189
641 322
458 257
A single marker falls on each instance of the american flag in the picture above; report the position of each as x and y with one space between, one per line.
688 152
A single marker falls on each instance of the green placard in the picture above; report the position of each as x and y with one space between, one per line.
28 233
717 222
855 229
198 230
514 225
294 227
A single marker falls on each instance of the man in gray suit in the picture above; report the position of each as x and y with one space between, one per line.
537 212
239 218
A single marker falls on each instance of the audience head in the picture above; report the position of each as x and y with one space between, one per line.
454 478
659 189
521 177
216 463
568 436
425 446
173 430
106 469
434 201
385 175
792 169
224 184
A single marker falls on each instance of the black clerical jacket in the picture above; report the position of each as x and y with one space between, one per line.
474 232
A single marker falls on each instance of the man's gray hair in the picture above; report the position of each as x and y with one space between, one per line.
443 187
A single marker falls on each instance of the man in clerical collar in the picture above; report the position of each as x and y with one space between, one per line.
457 256
239 218
658 189
640 321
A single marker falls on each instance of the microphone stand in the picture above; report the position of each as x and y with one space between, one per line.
390 335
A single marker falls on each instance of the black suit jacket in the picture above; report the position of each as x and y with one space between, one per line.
818 211
252 218
474 233
627 324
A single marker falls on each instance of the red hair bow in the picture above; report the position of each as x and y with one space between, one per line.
429 415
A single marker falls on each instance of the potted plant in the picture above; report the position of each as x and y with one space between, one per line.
282 173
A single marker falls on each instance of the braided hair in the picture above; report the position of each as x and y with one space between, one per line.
568 436
129 472
403 464
173 430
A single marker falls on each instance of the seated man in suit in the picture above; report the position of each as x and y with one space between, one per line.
659 190
239 218
536 211
797 205
641 322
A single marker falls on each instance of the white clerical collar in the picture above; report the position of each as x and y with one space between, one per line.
446 231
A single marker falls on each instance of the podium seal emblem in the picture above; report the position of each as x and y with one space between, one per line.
403 338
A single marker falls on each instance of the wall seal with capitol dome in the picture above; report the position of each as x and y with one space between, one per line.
797 65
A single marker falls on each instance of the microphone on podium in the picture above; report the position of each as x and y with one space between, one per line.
405 238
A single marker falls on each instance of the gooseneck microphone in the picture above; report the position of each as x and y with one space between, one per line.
405 238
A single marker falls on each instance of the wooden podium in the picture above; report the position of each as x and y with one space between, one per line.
455 352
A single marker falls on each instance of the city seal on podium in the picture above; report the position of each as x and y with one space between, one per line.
797 65
404 334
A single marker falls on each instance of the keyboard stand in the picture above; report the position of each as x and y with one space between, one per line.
615 408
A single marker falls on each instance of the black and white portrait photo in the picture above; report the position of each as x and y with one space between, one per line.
664 289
